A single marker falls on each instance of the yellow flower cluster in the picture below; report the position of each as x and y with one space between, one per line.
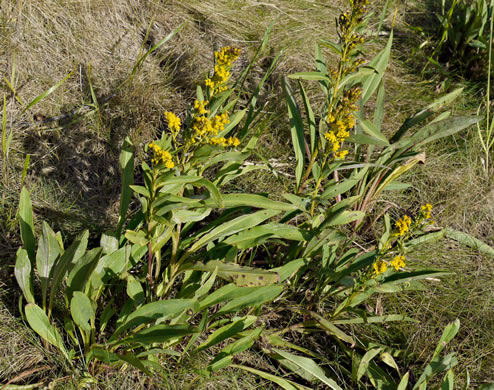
227 55
161 156
200 107
403 225
224 59
204 127
380 267
341 120
173 122
426 210
398 262
230 141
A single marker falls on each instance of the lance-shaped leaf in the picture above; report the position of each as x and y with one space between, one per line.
241 276
436 130
66 262
379 64
25 217
225 357
252 200
309 366
47 254
234 226
158 334
156 310
399 171
224 294
227 331
470 241
23 274
113 358
283 383
366 359
82 311
127 167
40 323
79 275
297 130
258 296
258 234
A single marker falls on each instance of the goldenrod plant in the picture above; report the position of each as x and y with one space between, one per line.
180 274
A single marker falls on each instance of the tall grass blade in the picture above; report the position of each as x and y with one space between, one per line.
49 91
297 130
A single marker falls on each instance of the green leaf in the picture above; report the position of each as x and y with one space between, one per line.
399 171
258 296
404 382
343 217
309 76
23 274
438 130
448 334
225 357
234 226
448 382
366 359
47 254
240 275
469 241
135 290
113 358
374 319
158 334
82 311
427 238
25 217
310 366
80 273
141 60
311 119
66 263
372 130
340 188
234 121
362 139
196 181
404 277
109 243
436 366
297 130
332 329
227 331
40 323
290 268
258 234
138 238
161 310
284 383
141 191
379 63
335 48
223 294
252 200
